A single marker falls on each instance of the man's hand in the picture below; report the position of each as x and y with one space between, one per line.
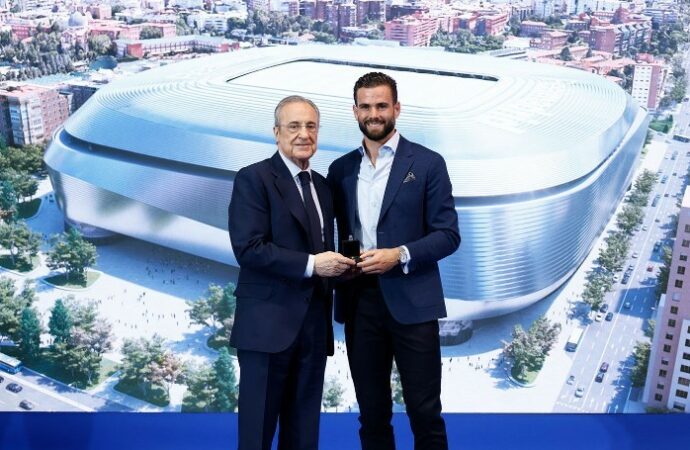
331 264
379 260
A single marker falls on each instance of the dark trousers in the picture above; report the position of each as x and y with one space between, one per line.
373 339
286 387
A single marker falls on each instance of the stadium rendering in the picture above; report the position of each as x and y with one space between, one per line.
539 155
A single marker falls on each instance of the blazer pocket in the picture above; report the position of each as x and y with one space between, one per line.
253 290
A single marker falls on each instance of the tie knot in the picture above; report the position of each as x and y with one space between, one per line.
304 178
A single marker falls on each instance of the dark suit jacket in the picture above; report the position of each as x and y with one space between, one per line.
418 213
268 230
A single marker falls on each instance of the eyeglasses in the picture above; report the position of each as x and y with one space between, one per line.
295 127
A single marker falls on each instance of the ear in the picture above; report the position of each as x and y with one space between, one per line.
354 111
275 133
396 108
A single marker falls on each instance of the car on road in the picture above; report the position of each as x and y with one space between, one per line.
27 405
650 268
571 379
635 254
609 317
664 179
600 377
599 317
666 194
627 305
604 367
674 173
616 277
625 279
14 387
644 228
604 307
579 392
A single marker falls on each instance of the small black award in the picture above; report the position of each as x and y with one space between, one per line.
351 249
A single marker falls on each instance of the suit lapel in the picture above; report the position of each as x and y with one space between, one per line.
287 188
350 190
325 201
401 164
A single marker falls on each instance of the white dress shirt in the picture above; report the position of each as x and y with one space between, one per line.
294 171
371 186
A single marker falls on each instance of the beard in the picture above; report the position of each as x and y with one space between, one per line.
388 126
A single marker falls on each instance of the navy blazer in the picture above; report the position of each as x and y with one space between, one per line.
268 227
417 211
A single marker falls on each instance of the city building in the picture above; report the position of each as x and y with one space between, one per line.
258 5
663 14
550 40
536 171
617 39
491 24
177 44
345 16
411 31
668 375
530 28
30 114
648 84
370 11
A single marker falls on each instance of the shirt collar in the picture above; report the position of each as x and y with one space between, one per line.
391 144
292 167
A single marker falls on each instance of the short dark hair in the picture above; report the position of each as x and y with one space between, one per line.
375 79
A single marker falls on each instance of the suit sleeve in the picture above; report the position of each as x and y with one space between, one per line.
442 236
249 224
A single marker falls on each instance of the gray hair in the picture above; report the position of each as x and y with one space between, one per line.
294 99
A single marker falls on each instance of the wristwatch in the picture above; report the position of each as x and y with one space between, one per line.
403 256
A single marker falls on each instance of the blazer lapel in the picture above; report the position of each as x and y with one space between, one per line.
288 190
401 165
350 191
325 201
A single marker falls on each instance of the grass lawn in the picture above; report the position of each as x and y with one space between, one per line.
155 395
28 209
660 125
47 364
61 280
528 378
6 262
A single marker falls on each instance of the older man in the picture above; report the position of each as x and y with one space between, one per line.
281 229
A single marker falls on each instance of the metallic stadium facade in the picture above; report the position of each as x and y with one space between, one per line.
539 155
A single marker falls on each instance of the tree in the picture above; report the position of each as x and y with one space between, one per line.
529 349
639 370
89 338
201 391
22 243
218 306
12 306
8 200
101 45
73 254
332 394
629 218
60 322
664 271
147 365
29 334
226 383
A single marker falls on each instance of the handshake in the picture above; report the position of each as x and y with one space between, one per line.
373 262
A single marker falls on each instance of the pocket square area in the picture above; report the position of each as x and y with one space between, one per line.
410 177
